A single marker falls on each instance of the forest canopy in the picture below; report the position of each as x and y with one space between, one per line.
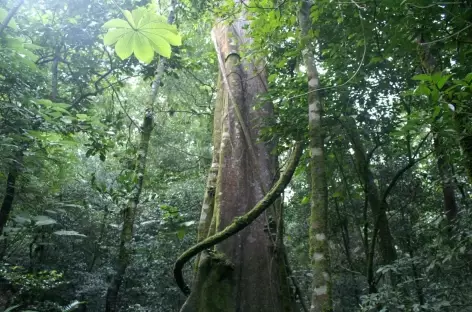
235 155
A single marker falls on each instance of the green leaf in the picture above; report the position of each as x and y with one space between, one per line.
422 77
32 46
160 45
116 34
272 77
142 49
181 233
44 220
14 43
81 116
69 233
171 37
437 111
305 200
142 33
129 17
468 78
117 23
44 102
139 16
436 77
422 89
124 46
442 80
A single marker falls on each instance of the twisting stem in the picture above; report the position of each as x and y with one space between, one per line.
239 223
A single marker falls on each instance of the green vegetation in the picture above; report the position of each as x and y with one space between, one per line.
255 156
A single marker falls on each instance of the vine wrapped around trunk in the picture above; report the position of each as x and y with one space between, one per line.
245 254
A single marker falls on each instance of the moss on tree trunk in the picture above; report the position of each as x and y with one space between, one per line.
234 213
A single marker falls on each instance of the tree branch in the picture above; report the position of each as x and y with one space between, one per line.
10 15
410 164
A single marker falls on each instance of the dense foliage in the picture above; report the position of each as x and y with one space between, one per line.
76 79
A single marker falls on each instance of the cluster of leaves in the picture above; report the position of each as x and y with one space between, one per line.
142 32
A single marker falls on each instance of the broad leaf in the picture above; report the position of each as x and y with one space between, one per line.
69 233
44 220
124 46
142 32
422 77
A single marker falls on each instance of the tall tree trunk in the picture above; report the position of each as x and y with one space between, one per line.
129 212
243 273
321 300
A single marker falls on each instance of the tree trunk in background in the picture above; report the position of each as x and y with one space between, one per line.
321 300
7 204
129 214
378 207
10 15
244 273
448 185
447 179
463 119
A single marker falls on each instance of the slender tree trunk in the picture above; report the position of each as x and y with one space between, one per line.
129 214
321 300
463 119
243 272
10 15
377 206
55 71
428 62
7 204
96 250
447 180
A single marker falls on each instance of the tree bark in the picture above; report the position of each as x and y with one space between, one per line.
7 204
129 214
10 15
377 204
321 300
447 180
243 272
443 162
463 120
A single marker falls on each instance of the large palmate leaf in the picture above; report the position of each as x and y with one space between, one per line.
142 32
